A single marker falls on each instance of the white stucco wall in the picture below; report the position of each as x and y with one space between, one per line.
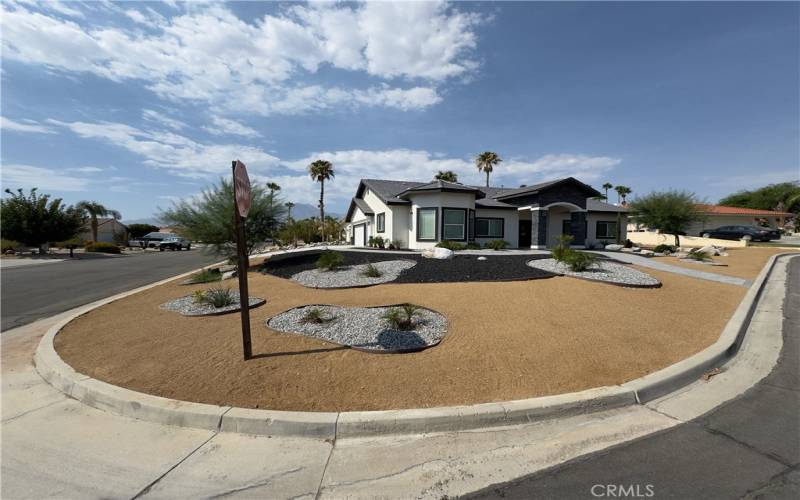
438 200
510 225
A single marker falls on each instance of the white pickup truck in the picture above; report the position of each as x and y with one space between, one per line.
162 241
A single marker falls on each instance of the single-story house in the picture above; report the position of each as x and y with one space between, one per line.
719 215
109 230
418 215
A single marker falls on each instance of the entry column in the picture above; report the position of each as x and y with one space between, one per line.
538 228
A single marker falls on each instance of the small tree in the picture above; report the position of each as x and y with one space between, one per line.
447 175
34 220
139 230
668 211
210 219
95 210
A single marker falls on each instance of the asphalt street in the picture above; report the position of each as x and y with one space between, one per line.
747 448
32 292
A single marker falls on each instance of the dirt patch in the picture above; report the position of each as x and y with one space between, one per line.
505 341
741 262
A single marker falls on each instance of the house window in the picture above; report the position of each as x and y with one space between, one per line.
471 228
566 227
426 224
381 222
606 230
489 227
454 224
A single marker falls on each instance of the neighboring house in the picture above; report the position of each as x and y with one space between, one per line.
418 215
719 215
107 229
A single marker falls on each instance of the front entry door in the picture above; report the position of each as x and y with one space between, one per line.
524 234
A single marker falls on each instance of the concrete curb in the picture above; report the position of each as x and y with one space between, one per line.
333 425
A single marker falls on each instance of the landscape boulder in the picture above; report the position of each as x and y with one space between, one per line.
614 247
437 253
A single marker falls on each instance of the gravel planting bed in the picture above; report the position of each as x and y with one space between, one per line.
364 328
602 270
496 267
188 307
353 275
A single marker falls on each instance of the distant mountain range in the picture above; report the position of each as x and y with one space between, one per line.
299 211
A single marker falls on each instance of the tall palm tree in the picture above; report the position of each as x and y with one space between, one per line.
622 192
321 171
289 205
486 162
95 210
447 175
606 187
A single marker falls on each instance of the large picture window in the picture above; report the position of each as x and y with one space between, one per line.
606 230
454 224
426 224
381 222
489 227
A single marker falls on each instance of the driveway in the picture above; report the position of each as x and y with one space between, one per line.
38 291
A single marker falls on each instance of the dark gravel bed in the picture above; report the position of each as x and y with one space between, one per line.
496 267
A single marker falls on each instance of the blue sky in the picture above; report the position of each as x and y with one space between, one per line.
136 104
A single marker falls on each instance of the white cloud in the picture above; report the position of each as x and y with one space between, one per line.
175 153
206 53
163 119
86 170
225 126
24 126
27 176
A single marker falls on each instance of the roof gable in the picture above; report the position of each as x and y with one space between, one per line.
544 186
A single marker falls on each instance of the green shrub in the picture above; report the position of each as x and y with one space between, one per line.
628 244
664 249
206 276
376 242
74 243
199 296
330 261
497 244
473 246
102 247
317 316
562 248
402 318
699 256
218 297
451 245
12 245
372 272
579 261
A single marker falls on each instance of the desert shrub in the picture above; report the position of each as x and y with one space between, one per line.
12 245
451 245
376 242
317 316
71 243
372 272
579 261
628 244
664 249
199 296
102 247
218 297
206 276
473 246
700 256
330 261
402 318
562 248
497 244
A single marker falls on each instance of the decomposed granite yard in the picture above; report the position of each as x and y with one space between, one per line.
505 340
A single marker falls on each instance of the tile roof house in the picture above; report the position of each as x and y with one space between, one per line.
419 215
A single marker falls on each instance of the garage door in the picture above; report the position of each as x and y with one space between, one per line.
359 236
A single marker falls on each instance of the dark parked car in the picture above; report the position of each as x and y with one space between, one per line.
738 233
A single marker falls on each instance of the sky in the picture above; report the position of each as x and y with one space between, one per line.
139 104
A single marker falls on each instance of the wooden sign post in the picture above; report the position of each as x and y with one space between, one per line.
241 208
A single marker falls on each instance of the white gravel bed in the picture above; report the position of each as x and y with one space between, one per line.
188 307
350 276
609 272
363 328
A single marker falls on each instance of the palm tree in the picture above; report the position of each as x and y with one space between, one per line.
622 192
321 171
447 175
289 205
95 210
486 162
273 187
606 187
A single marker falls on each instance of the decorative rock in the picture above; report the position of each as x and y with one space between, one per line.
363 328
188 307
614 247
636 249
481 258
229 274
604 271
438 253
353 276
647 253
